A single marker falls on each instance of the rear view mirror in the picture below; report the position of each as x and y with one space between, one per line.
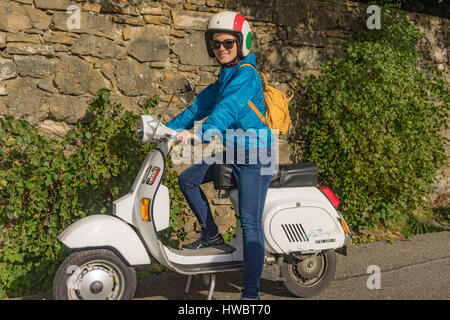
186 92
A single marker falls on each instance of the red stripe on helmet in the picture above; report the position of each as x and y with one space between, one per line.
238 22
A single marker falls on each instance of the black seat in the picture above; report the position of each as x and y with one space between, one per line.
286 176
294 175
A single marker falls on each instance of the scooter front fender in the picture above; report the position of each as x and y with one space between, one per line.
102 231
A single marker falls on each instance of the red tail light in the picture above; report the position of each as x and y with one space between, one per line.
330 196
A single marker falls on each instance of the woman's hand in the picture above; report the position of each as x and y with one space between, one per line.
186 137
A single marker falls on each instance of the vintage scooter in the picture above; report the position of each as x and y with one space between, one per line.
302 231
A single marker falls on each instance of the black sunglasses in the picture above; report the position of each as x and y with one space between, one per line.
227 44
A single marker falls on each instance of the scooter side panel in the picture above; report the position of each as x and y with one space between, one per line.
305 229
288 207
122 207
106 231
148 187
161 208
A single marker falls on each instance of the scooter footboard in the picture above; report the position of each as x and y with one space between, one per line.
101 231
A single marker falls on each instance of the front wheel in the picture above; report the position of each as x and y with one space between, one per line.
94 275
310 276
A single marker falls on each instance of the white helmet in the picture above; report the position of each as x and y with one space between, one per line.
233 23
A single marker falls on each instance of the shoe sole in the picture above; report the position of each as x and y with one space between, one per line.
212 246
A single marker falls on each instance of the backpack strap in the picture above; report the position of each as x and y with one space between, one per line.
247 64
261 75
292 94
250 103
264 82
255 109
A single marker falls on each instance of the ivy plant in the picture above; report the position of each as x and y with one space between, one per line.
46 184
372 122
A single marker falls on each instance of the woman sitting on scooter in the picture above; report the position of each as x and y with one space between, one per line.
224 103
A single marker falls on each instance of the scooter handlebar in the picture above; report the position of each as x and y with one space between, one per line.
149 129
147 125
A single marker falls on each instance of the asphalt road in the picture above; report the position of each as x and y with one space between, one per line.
417 268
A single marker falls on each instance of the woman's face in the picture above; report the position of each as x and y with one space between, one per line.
223 54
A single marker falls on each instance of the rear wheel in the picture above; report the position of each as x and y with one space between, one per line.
94 275
310 276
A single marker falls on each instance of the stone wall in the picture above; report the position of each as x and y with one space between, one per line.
138 48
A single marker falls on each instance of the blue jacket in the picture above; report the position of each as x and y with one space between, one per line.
225 104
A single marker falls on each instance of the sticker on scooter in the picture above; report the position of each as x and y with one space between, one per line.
151 175
326 240
146 174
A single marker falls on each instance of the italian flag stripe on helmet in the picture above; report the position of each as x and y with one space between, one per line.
238 22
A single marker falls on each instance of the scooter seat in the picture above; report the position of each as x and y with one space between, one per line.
285 176
295 175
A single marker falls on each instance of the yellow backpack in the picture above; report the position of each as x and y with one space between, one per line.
277 107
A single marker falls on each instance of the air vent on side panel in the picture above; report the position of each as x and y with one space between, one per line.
294 232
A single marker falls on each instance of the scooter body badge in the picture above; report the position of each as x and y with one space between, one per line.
147 174
151 175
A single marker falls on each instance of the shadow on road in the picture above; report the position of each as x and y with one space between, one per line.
170 286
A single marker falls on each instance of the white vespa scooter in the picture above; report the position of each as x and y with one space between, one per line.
302 231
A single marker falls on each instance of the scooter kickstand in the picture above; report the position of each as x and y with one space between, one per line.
212 284
188 287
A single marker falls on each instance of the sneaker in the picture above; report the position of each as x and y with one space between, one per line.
205 242
246 298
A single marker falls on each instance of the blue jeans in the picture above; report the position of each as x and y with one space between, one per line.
252 181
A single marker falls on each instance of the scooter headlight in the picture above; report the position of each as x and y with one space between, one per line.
145 128
147 125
